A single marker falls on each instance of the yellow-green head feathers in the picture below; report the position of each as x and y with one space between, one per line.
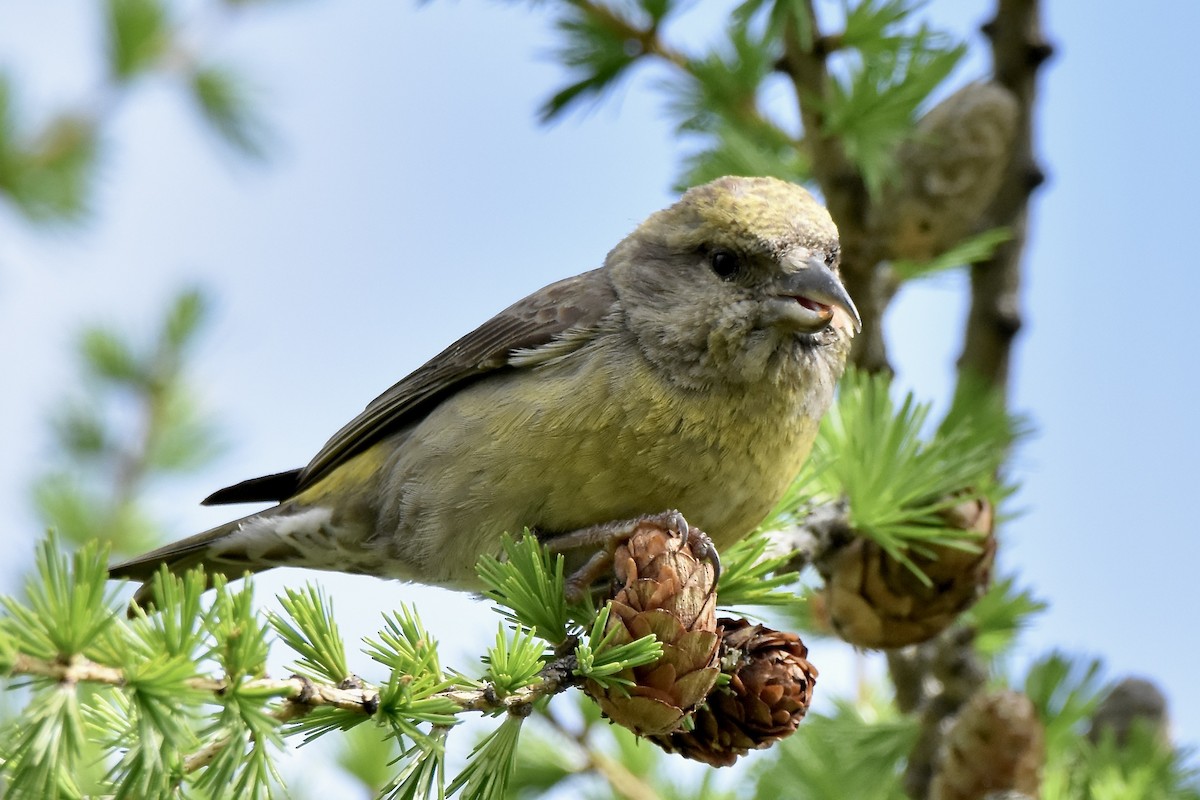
764 216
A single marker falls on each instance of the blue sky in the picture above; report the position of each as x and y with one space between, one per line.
413 194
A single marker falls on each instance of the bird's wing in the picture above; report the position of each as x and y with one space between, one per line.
569 305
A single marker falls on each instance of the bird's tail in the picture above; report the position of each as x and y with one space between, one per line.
183 555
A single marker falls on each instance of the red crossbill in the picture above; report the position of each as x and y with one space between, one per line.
689 372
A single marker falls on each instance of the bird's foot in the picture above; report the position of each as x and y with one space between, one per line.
608 536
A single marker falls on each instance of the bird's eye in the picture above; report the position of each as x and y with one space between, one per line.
725 264
831 257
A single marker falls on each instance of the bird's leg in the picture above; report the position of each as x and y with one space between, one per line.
579 583
608 536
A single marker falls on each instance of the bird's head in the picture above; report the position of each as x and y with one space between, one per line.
739 276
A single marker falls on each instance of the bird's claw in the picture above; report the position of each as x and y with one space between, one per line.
701 545
705 550
610 535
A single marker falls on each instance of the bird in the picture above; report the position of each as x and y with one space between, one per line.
689 372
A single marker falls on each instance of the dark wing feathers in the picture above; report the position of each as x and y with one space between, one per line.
257 490
581 301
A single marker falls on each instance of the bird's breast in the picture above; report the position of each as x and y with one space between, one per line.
589 439
609 437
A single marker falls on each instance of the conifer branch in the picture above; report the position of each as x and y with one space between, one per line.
303 694
842 184
651 43
1018 51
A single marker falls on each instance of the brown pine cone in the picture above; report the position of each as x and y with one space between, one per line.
873 600
995 745
1131 703
665 590
950 170
770 687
